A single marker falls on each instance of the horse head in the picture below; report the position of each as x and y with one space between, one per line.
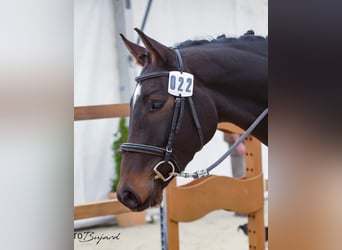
156 118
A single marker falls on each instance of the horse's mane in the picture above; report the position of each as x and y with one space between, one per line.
248 38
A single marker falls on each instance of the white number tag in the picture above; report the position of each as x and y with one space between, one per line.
180 84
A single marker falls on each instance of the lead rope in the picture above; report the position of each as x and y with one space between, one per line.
162 216
163 223
205 172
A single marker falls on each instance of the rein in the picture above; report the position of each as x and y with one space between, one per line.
205 172
169 159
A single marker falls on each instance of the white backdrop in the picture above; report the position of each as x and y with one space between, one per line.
96 77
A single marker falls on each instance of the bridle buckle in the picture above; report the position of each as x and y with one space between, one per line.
168 149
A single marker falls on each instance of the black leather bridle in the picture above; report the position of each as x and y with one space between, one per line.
169 158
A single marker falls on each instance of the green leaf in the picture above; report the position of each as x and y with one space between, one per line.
119 137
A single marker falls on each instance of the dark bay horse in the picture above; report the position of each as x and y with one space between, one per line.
230 78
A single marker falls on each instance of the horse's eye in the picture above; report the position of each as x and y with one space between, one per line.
156 105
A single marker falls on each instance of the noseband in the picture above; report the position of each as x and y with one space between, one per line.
169 159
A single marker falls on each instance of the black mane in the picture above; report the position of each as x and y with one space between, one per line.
246 38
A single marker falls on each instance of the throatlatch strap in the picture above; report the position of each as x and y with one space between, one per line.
196 120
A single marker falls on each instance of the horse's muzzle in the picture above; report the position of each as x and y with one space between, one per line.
129 198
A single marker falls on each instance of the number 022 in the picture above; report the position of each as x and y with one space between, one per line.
181 84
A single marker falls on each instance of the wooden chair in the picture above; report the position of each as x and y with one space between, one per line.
192 201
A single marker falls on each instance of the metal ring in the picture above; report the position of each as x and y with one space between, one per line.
159 175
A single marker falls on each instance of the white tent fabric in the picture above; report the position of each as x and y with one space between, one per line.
96 76
95 82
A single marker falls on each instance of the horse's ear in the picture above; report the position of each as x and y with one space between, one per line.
138 52
158 51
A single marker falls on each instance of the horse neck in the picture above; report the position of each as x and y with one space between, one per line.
236 81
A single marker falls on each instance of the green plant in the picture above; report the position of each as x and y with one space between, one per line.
119 137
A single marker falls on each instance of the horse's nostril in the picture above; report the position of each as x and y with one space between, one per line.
129 198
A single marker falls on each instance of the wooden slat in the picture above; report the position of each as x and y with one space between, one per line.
229 128
246 195
101 208
101 111
172 225
256 230
196 199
